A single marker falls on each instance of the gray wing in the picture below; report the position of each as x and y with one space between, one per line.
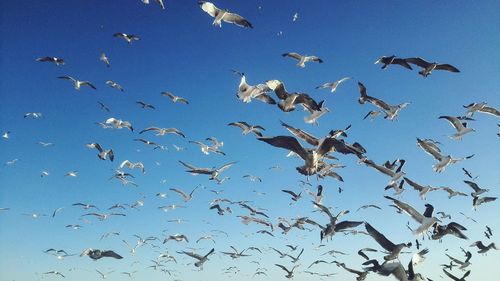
236 19
286 142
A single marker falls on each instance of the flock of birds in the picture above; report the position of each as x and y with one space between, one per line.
318 159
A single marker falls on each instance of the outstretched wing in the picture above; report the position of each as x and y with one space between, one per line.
286 142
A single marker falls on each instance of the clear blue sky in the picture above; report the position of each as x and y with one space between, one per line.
180 51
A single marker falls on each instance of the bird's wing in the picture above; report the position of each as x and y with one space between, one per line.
293 55
286 142
310 139
111 254
209 8
418 61
149 129
346 224
225 167
454 121
67 78
380 238
182 193
236 19
325 210
490 110
447 67
408 209
473 185
451 276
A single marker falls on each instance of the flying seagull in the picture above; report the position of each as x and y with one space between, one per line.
163 131
393 249
201 259
482 248
290 100
186 197
426 219
248 128
97 254
175 98
104 59
127 37
386 61
103 154
213 172
333 226
115 85
428 67
78 83
289 274
145 105
431 148
302 59
248 92
391 111
461 127
119 124
57 61
220 15
481 107
332 85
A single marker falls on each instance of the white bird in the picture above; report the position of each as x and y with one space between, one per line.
57 61
426 219
44 174
295 17
201 259
248 92
220 15
33 115
127 37
6 135
461 127
302 59
77 83
131 165
104 59
247 128
71 174
481 107
163 131
175 98
391 111
186 197
314 115
115 85
332 85
119 124
431 148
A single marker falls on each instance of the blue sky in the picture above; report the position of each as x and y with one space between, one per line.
182 52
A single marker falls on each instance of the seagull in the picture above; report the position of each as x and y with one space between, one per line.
55 272
431 148
332 85
220 15
253 178
444 215
97 254
163 131
426 219
115 85
131 165
103 106
461 127
361 274
104 59
372 114
481 107
477 190
369 206
253 211
177 238
214 173
160 2
451 192
185 196
289 274
395 175
296 259
393 249
248 128
206 149
104 275
315 114
391 111
103 216
44 174
119 124
290 100
482 248
6 135
421 189
175 98
145 105
452 228
386 61
201 259
247 92
476 201
71 174
33 115
103 154
77 83
333 226
295 197
57 61
295 17
428 67
302 59
127 37
463 264
235 254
